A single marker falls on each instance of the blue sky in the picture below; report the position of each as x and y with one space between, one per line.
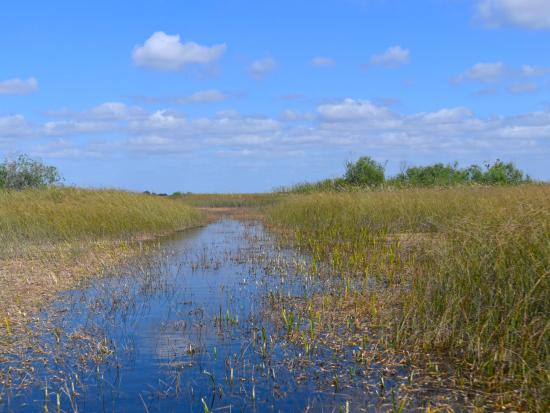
241 96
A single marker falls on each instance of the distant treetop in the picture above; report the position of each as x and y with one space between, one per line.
366 172
24 172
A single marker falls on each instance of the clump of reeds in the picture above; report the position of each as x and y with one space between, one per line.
471 266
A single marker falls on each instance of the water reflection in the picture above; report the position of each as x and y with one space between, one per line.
185 329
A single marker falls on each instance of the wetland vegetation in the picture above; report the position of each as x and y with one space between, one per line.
463 274
385 297
52 238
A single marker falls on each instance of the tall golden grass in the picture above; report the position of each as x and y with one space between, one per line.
40 216
471 265
229 200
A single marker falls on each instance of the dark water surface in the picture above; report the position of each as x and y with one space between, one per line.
188 329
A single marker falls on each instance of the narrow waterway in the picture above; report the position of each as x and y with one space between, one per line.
189 328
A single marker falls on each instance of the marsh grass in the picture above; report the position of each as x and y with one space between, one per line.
69 214
469 268
52 239
229 200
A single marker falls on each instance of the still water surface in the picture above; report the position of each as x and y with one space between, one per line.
189 329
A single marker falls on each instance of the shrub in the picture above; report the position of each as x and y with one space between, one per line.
440 174
436 174
504 173
24 172
365 171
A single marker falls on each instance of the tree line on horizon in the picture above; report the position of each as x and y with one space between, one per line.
368 173
24 172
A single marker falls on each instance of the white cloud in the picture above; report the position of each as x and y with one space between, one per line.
522 87
245 139
205 96
348 124
534 71
166 52
530 14
111 111
108 111
71 127
353 122
291 115
354 110
15 126
259 68
498 72
18 86
488 91
320 61
160 120
482 72
202 96
393 57
446 115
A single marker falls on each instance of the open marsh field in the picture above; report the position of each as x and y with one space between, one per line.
385 300
330 206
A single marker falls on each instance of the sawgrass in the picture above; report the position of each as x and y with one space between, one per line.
229 200
470 267
53 239
41 216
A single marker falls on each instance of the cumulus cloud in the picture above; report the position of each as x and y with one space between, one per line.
292 115
515 80
72 127
111 111
15 126
320 61
261 67
446 115
530 14
18 86
162 51
202 96
482 72
354 110
108 130
361 123
522 87
393 57
534 71
108 111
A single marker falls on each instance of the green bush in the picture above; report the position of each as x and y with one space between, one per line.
504 173
439 174
365 171
24 172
